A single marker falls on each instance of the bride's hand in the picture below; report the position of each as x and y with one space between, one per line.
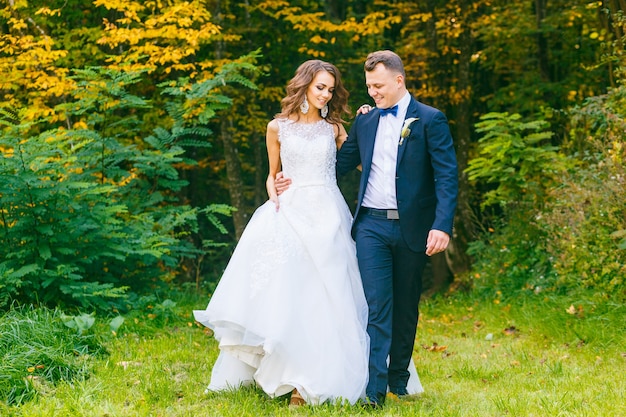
364 109
274 199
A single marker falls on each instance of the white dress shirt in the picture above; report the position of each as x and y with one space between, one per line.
381 184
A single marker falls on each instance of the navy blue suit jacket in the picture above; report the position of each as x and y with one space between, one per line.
426 170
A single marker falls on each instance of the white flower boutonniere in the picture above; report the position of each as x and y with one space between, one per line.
406 131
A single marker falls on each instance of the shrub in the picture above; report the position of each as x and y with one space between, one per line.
568 235
586 216
518 165
84 214
515 158
88 209
512 258
581 221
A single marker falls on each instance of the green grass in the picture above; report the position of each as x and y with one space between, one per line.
524 358
37 349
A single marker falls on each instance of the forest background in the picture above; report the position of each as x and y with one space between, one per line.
133 135
132 138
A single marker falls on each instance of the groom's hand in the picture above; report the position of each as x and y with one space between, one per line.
281 183
437 242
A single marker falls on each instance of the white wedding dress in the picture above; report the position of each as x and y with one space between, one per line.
289 311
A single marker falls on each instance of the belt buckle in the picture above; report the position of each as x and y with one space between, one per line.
393 215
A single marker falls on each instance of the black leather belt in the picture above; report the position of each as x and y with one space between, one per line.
384 214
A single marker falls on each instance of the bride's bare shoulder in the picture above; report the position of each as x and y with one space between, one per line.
272 126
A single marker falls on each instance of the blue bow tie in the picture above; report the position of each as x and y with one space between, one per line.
391 110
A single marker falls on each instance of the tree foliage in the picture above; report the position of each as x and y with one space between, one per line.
138 77
88 213
516 158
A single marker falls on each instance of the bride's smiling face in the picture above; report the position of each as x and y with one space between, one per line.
321 89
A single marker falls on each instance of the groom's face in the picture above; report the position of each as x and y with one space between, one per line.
384 86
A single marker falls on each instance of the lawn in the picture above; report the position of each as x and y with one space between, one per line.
532 357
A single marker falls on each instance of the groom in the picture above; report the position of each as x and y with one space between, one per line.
406 203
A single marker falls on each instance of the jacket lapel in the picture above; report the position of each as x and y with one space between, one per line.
411 111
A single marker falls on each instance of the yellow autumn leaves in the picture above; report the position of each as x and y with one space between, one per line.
155 36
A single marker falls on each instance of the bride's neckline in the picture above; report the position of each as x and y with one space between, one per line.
301 122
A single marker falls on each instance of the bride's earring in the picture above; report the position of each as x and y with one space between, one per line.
304 107
324 111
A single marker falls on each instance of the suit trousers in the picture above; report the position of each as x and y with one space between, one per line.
392 281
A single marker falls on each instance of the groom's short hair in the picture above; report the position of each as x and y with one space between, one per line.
389 59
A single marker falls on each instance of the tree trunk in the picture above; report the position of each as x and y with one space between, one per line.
233 164
542 42
608 24
260 172
258 144
458 260
233 172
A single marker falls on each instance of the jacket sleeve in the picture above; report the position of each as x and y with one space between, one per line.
348 156
445 171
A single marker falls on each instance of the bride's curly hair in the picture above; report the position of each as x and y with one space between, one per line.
298 85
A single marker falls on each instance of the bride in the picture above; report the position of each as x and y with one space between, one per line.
289 311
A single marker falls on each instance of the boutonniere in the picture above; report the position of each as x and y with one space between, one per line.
406 129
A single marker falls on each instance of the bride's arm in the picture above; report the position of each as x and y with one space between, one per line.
273 156
340 135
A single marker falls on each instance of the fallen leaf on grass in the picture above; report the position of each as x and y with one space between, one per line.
126 364
624 355
575 311
391 396
435 347
510 331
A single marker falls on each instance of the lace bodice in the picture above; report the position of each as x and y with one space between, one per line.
308 152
